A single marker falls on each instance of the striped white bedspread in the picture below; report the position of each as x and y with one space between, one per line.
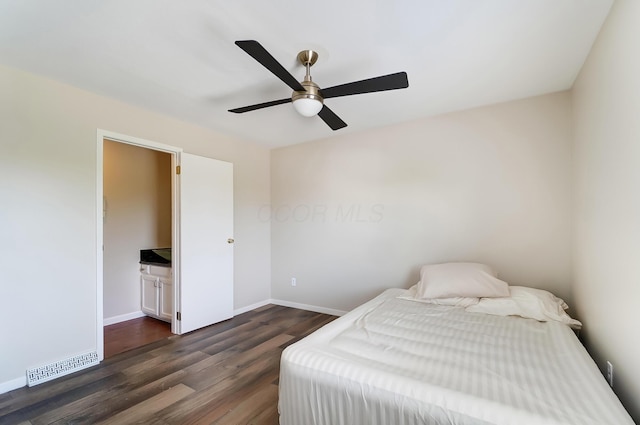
399 362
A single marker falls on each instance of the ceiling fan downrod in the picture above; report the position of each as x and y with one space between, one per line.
311 93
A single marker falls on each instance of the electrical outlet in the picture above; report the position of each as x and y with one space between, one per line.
610 374
293 281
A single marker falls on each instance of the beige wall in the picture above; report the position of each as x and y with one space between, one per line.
137 193
355 214
48 214
606 104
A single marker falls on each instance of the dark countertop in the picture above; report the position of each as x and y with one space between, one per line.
156 257
151 263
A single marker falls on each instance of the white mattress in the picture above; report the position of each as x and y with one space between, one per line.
400 362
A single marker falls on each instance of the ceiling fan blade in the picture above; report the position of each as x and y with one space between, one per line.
332 120
260 106
386 82
259 53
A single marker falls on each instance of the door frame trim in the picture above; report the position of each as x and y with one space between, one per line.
175 153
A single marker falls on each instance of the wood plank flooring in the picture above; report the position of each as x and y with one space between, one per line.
134 333
224 374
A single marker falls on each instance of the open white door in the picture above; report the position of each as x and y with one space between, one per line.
206 242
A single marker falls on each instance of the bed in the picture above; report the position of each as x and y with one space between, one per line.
396 361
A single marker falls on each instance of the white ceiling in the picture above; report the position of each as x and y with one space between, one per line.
179 57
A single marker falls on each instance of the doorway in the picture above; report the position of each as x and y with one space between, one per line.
103 211
201 235
136 215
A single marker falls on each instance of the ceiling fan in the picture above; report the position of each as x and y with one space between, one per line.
308 98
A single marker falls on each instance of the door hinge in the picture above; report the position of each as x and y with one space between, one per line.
178 315
177 169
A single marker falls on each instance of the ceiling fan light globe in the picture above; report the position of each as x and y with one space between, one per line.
307 107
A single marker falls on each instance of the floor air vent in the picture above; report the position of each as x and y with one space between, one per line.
64 367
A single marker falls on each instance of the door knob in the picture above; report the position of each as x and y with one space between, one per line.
230 240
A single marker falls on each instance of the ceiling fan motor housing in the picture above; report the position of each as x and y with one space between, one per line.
312 91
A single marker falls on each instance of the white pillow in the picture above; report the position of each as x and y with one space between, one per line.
455 301
450 280
530 303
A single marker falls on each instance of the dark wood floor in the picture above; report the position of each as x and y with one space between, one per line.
134 333
223 374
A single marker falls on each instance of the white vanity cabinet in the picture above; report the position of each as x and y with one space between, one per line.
156 284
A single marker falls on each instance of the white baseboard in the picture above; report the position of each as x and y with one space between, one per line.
300 306
14 384
309 307
122 318
250 307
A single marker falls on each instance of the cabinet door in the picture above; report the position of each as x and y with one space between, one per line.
166 299
149 294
